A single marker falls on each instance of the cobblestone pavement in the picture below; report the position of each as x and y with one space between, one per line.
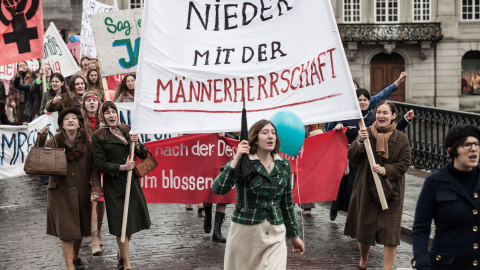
175 241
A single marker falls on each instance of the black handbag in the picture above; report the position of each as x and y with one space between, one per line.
389 189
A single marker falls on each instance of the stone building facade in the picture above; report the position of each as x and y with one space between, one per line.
436 41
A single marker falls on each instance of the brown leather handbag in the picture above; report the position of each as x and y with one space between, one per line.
389 189
46 160
145 166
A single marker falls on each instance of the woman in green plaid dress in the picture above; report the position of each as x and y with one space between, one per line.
256 239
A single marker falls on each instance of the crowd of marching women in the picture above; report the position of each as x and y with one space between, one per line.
98 148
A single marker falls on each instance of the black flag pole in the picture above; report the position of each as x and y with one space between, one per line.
244 169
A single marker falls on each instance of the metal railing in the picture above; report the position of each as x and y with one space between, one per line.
428 130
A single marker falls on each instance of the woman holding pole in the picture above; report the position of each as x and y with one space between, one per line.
366 220
111 145
256 239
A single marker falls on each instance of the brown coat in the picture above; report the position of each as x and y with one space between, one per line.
65 102
123 97
69 209
366 220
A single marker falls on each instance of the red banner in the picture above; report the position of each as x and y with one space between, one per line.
189 164
21 31
74 49
112 81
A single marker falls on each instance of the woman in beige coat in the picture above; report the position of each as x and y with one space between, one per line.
366 220
69 207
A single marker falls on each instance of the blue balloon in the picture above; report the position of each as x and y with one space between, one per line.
291 131
75 38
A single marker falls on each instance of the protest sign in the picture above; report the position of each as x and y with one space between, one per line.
8 71
87 43
21 31
17 141
74 48
117 37
199 60
189 164
57 54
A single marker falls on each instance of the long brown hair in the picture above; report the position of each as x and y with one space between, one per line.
122 89
62 79
102 132
96 87
253 136
71 83
86 123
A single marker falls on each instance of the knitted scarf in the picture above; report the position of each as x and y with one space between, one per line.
114 130
382 135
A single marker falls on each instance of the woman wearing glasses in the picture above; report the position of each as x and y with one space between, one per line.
450 197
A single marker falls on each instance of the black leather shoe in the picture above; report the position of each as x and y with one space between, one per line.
78 264
333 215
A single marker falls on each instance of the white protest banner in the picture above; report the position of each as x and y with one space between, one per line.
17 141
199 58
87 43
117 39
57 54
9 70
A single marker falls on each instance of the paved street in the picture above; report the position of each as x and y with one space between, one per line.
175 241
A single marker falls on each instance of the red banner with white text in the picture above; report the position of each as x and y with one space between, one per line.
189 164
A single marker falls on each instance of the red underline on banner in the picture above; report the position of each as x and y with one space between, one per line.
259 110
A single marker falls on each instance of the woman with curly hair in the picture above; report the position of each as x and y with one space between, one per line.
126 89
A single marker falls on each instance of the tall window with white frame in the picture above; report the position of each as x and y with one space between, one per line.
136 3
386 11
470 10
421 10
351 11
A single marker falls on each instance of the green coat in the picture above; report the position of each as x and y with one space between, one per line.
108 156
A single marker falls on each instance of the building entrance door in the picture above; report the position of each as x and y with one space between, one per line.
385 70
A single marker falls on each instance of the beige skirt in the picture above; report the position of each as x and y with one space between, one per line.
260 246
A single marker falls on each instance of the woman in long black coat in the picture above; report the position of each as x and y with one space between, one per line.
111 149
450 197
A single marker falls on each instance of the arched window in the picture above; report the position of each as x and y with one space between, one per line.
470 82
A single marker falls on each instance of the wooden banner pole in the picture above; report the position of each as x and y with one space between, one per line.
127 195
44 75
372 162
106 93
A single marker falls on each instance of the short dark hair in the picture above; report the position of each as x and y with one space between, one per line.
253 136
363 91
452 151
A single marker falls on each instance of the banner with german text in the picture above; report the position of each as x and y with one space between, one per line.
21 31
117 37
57 54
199 59
87 43
189 164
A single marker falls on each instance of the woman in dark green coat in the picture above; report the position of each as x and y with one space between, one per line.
111 149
